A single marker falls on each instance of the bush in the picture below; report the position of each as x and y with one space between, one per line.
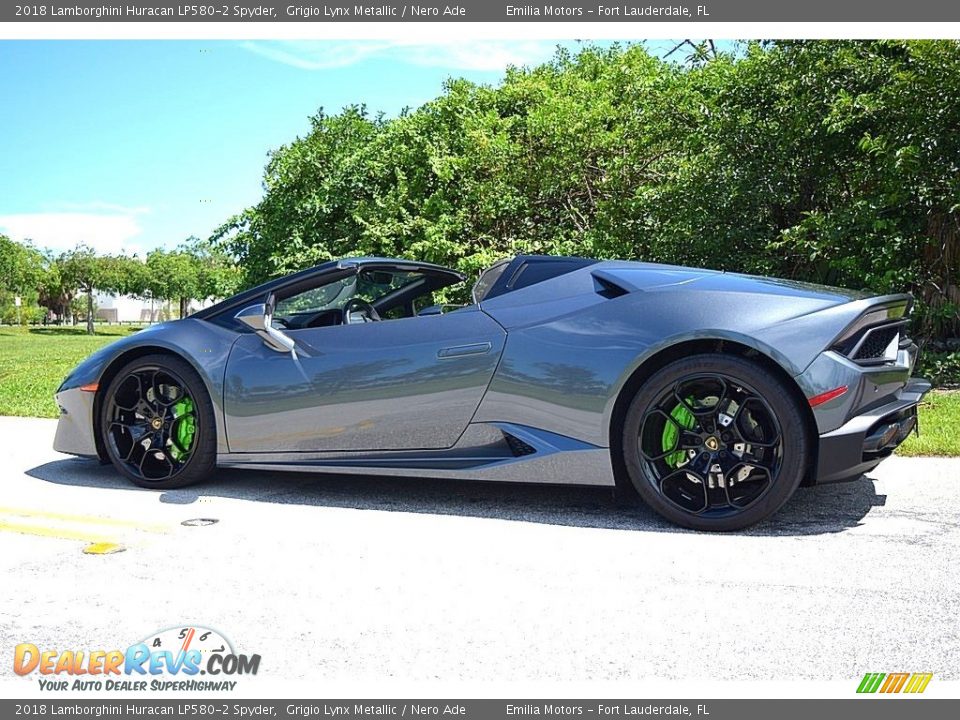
827 161
940 368
28 313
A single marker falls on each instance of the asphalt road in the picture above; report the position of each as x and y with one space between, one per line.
334 578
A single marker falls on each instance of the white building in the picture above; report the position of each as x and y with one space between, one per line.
128 309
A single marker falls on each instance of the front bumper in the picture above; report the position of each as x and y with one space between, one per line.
75 427
860 444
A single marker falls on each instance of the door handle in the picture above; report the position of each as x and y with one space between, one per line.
461 350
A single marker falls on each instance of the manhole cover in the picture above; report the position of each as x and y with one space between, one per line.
199 522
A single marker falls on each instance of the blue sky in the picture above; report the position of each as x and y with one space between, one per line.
132 145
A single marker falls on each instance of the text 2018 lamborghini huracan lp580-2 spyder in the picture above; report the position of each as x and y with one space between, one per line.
713 395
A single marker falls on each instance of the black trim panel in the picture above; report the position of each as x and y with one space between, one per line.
845 453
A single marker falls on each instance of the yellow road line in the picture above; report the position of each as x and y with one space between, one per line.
61 533
91 519
103 548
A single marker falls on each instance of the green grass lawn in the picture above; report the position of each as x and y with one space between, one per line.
34 361
939 426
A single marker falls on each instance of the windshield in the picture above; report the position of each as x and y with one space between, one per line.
368 285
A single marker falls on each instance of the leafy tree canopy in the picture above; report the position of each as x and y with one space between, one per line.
828 161
21 266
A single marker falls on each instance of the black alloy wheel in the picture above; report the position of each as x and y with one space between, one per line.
157 423
715 442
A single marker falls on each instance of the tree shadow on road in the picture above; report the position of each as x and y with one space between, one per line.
812 511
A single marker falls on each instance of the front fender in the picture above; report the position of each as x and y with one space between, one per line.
204 345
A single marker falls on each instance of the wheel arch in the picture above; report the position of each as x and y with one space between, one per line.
700 346
110 372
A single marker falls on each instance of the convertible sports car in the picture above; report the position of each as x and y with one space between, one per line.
712 395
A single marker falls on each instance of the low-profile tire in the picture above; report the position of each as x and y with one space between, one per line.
157 423
715 442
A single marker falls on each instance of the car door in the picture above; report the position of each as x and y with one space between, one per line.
404 384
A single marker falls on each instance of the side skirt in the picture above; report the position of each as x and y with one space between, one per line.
487 451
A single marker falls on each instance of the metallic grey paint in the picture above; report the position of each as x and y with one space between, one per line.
204 345
75 428
355 387
544 365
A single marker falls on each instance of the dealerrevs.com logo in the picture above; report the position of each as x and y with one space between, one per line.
171 659
887 683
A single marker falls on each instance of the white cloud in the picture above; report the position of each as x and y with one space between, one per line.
98 206
490 55
308 55
59 231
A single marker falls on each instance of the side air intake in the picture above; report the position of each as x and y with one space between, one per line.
517 446
604 287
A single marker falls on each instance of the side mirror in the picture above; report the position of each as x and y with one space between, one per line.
259 318
254 317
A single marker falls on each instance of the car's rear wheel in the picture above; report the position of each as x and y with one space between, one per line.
157 423
715 442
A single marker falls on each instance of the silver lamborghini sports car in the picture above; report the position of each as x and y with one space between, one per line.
710 395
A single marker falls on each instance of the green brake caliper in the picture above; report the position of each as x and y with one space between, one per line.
184 428
684 418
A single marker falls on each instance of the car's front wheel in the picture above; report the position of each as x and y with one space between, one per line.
715 442
157 423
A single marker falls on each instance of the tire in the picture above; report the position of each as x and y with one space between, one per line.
715 442
157 423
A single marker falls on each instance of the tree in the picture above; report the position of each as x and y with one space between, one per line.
196 270
21 267
549 161
129 275
827 161
88 272
218 275
55 292
174 276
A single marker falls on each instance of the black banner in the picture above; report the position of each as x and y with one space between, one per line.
875 709
487 11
